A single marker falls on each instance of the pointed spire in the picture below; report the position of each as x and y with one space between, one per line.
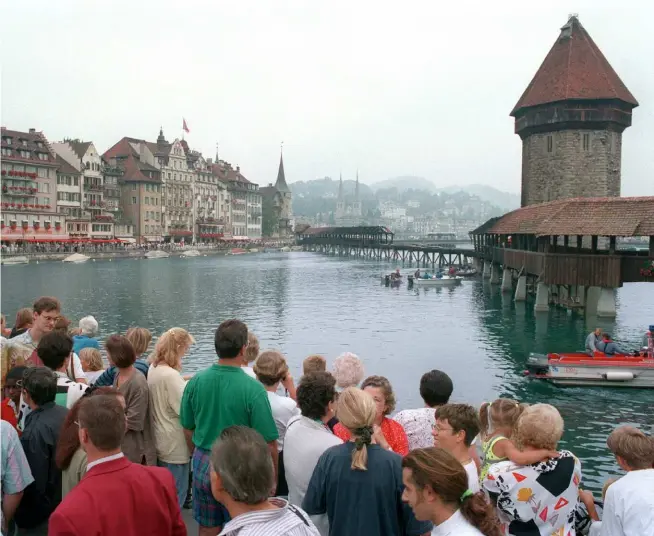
161 140
340 188
356 188
281 177
217 148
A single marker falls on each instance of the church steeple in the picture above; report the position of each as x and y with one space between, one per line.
281 177
340 188
161 140
356 188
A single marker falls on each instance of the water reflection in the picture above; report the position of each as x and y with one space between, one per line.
305 303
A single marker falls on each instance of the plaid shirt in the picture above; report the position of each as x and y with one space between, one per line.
16 474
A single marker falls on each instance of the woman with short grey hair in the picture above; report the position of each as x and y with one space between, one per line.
541 496
88 329
242 476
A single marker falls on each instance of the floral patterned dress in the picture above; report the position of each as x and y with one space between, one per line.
538 499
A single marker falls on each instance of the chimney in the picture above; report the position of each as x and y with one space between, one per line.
32 131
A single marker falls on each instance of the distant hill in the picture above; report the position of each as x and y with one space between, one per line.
504 200
402 184
328 187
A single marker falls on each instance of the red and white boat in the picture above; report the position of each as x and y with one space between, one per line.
579 368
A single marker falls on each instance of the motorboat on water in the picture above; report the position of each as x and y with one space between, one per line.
191 253
579 368
157 254
435 281
466 271
18 259
237 251
76 258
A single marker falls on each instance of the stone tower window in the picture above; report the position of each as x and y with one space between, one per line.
586 142
550 144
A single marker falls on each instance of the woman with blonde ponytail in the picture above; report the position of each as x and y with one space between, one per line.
359 484
166 390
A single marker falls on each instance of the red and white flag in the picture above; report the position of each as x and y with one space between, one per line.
185 126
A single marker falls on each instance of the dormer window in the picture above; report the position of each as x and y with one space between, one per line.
7 140
24 142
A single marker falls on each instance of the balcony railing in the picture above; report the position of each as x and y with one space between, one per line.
19 175
24 206
93 187
19 191
93 205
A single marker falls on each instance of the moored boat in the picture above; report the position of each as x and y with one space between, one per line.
237 251
156 254
76 258
465 272
579 368
190 253
17 259
444 281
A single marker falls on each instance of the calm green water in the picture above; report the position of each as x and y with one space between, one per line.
303 303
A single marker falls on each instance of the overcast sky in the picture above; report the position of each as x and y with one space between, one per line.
393 88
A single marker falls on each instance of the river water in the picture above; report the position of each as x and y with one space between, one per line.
304 303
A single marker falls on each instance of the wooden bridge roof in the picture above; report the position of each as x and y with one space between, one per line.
360 230
601 216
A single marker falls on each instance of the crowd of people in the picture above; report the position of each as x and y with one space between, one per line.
122 449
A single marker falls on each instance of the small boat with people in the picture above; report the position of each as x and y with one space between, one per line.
190 253
157 254
465 271
76 258
596 368
14 259
393 279
428 280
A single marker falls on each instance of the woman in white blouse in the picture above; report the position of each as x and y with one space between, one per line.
166 387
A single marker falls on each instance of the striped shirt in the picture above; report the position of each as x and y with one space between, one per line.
16 474
285 520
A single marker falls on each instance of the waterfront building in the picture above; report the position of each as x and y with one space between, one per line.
570 119
277 206
140 188
245 200
69 198
211 201
29 181
348 214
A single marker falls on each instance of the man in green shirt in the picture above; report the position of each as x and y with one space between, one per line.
216 398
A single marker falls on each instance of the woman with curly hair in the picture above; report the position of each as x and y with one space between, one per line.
389 433
359 484
436 489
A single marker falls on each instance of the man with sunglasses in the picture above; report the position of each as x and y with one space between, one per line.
11 396
39 441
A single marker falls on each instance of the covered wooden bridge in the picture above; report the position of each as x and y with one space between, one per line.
570 244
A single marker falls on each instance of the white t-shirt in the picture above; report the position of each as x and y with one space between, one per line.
456 525
304 443
93 375
473 476
249 371
283 408
166 387
629 505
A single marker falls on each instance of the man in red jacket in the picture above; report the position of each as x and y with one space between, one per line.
116 496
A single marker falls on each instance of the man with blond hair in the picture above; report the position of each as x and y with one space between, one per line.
629 504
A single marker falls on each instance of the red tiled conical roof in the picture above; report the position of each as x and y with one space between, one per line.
575 68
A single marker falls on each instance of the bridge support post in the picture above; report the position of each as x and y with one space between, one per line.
592 300
495 274
487 270
507 280
580 295
521 289
606 303
563 295
542 297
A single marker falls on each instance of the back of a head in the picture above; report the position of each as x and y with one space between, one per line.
231 338
252 351
633 446
171 347
24 317
461 417
348 370
62 324
439 470
436 388
314 363
92 357
103 418
270 367
314 393
88 326
140 338
357 411
241 458
120 351
40 383
539 426
54 348
501 413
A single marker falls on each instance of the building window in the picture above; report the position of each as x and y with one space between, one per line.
133 200
550 144
586 142
147 229
133 187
